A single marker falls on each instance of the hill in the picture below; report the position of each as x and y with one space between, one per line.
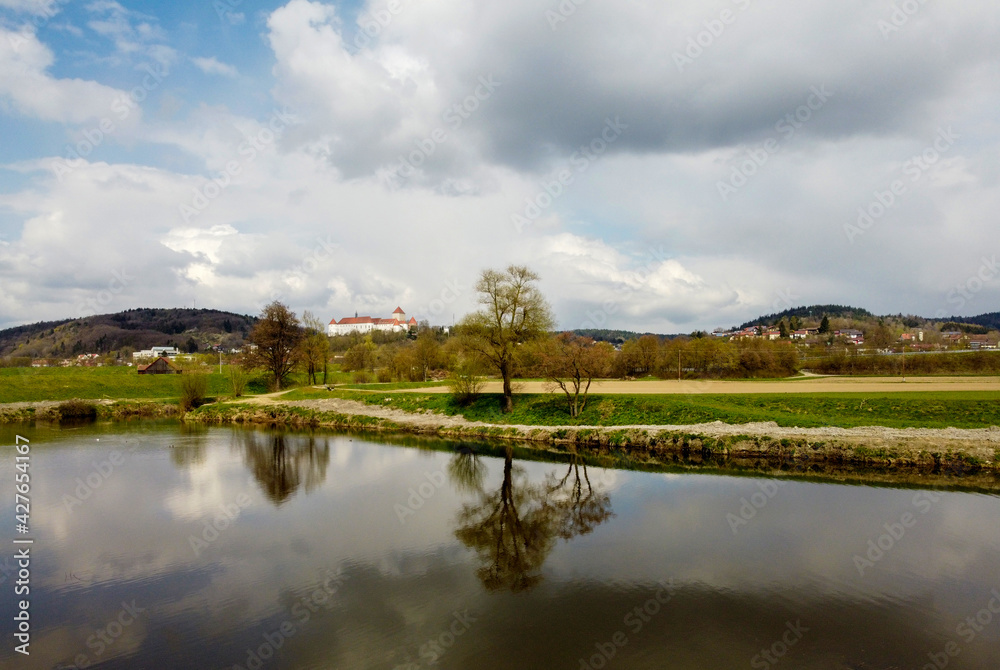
813 312
124 332
991 320
855 317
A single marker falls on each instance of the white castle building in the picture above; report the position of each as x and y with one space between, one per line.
366 324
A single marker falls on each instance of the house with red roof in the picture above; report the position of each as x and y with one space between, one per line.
365 324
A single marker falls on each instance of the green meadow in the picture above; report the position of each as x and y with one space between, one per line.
112 383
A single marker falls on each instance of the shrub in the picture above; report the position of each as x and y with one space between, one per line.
77 409
466 384
194 386
384 375
239 377
360 377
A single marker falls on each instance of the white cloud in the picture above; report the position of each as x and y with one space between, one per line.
26 86
213 66
45 8
641 227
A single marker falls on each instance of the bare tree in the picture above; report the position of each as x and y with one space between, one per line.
513 312
275 337
314 348
426 353
571 363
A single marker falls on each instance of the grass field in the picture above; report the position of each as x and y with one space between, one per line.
115 383
959 409
937 402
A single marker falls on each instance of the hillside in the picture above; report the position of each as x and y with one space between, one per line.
815 312
842 316
991 320
124 332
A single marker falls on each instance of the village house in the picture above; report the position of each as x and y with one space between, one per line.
979 342
851 335
366 324
746 333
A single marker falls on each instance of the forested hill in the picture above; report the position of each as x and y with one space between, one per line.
840 315
131 330
991 320
813 312
862 318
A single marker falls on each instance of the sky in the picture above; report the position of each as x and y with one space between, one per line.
663 167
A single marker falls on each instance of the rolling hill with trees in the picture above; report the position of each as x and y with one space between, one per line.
124 332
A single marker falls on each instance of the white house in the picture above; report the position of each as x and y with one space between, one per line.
366 324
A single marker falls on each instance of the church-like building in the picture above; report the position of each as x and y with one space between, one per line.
366 324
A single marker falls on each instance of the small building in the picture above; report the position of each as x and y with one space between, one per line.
155 352
978 342
161 366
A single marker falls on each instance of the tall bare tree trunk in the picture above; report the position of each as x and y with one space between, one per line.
508 392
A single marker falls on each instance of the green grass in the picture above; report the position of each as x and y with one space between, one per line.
32 384
311 393
959 409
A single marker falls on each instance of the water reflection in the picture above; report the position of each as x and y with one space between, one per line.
281 464
475 547
190 450
512 529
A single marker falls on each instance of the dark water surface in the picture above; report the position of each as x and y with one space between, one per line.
158 546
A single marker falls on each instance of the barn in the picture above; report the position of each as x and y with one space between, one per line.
161 366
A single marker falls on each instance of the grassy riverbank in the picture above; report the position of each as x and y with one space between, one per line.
956 409
73 410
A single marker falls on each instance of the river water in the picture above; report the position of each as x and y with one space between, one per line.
162 546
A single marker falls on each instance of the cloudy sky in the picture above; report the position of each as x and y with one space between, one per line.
662 166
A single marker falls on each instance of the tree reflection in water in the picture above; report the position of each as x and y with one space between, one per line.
513 529
281 464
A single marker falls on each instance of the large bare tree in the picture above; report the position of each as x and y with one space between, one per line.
513 312
572 362
275 337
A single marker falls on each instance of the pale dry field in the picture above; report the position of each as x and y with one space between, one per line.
812 384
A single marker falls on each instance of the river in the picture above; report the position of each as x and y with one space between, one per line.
157 545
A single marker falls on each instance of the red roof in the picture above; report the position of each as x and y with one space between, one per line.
386 322
413 320
399 310
347 320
